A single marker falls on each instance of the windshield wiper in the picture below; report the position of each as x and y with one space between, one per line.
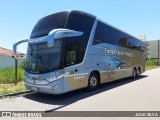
50 68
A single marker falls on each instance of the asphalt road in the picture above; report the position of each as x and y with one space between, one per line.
142 94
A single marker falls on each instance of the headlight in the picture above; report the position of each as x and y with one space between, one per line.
51 79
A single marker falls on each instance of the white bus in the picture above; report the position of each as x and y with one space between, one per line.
71 50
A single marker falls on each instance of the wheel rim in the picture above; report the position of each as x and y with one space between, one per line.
93 81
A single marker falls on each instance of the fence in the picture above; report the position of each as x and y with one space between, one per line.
9 62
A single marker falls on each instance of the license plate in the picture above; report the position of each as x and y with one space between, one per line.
34 88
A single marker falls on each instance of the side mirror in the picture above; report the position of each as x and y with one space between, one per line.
15 48
17 43
61 33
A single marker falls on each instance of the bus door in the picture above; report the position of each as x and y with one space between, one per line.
74 71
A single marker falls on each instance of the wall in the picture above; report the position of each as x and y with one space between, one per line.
9 62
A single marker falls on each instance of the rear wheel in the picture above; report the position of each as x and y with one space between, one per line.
93 82
138 72
134 74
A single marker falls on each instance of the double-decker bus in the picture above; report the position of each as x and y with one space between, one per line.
71 50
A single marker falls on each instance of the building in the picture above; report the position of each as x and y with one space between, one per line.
153 49
7 52
142 37
6 59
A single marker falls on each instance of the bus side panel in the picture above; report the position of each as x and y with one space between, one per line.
113 62
139 60
75 77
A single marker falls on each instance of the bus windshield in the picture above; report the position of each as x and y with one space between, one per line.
48 23
41 58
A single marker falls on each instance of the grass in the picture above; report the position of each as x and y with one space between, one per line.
11 88
152 64
152 67
7 79
7 76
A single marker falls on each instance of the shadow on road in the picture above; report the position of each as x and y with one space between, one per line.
71 97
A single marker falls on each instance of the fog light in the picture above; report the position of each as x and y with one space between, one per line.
54 87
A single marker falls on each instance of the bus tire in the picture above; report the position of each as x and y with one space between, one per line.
134 73
138 72
93 82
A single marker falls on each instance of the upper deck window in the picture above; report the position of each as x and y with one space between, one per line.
80 21
107 34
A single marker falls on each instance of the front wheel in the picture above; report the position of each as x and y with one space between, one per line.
92 82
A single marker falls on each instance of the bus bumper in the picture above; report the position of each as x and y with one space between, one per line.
50 88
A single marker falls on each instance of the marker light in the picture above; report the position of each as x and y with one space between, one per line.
54 87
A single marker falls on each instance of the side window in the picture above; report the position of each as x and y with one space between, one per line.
70 55
80 22
106 34
139 45
74 54
70 58
131 42
127 41
124 42
101 34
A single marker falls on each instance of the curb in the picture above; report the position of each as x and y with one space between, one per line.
15 94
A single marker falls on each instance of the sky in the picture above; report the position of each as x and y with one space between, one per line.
136 17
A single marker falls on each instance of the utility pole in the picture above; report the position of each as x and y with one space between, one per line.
158 49
16 68
158 52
